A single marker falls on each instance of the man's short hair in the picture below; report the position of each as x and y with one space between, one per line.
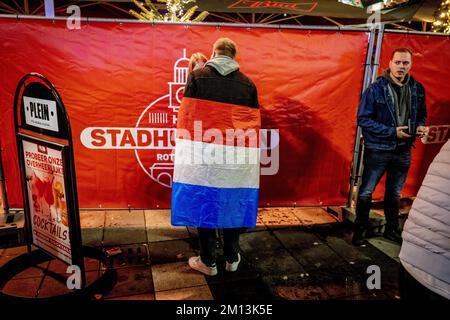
226 47
403 50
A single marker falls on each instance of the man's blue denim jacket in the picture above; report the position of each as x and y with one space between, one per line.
376 113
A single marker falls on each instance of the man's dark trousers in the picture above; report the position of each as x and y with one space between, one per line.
376 162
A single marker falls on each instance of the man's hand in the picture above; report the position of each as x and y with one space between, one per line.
422 131
401 134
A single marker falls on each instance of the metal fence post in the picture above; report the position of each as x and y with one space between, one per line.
3 186
370 75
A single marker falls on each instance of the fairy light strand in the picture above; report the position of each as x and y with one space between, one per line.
442 18
175 11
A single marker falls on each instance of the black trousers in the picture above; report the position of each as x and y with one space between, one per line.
411 289
208 244
395 164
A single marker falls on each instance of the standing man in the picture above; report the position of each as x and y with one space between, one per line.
391 113
216 172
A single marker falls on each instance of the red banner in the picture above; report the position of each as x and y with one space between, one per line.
429 67
122 83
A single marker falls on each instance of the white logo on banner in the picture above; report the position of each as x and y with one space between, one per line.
153 136
437 134
41 113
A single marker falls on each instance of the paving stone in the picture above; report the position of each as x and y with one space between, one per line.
375 254
295 287
92 219
295 239
281 263
32 272
124 235
60 267
167 234
27 287
347 251
339 281
278 218
175 276
159 228
389 267
313 216
259 242
131 281
246 290
317 257
389 275
170 251
192 293
339 287
389 248
92 236
15 251
124 218
124 227
55 286
6 258
343 231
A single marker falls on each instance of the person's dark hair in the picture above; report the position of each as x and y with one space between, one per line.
196 59
226 47
404 50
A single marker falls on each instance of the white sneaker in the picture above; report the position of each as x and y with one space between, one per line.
197 264
231 267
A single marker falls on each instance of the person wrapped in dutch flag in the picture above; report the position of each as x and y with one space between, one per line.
216 172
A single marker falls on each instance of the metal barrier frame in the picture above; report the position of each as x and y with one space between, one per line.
370 68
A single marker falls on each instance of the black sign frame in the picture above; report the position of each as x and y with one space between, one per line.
60 140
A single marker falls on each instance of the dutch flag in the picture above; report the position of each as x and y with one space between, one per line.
216 171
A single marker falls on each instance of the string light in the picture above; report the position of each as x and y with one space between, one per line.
175 11
442 18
